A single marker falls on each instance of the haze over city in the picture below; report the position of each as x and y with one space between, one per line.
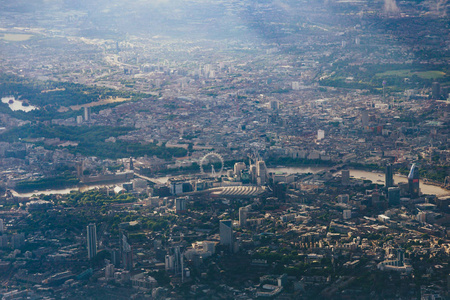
199 149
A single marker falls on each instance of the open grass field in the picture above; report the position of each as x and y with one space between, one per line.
100 102
409 73
15 37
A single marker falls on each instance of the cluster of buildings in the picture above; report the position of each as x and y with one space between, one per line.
328 219
300 94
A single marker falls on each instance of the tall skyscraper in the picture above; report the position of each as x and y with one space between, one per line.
274 105
394 196
180 205
17 240
226 233
413 182
179 261
87 114
174 261
320 134
238 168
243 216
127 252
3 241
109 270
345 177
261 172
389 176
253 173
2 226
436 90
364 118
131 164
91 240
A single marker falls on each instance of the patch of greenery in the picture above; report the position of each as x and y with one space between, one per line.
410 73
49 96
96 198
289 161
57 182
91 140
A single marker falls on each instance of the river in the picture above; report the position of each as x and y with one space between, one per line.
374 177
15 104
379 178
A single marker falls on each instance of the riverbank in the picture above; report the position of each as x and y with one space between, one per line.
375 177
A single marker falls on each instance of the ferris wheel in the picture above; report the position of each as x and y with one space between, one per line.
211 159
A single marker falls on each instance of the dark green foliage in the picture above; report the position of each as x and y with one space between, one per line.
92 140
49 96
96 198
67 94
57 182
161 277
289 161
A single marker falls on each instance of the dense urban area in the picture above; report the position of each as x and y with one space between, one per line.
200 149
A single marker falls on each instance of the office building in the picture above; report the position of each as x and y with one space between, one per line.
238 168
436 90
261 173
87 114
139 183
91 240
174 261
394 196
345 177
109 270
347 214
253 173
343 198
274 105
389 176
180 205
2 226
127 252
116 258
320 134
3 241
243 211
17 240
226 233
413 182
364 118
131 164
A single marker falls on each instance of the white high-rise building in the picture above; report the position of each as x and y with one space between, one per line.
109 270
87 114
320 134
238 168
226 233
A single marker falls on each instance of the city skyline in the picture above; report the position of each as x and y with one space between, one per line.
200 149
